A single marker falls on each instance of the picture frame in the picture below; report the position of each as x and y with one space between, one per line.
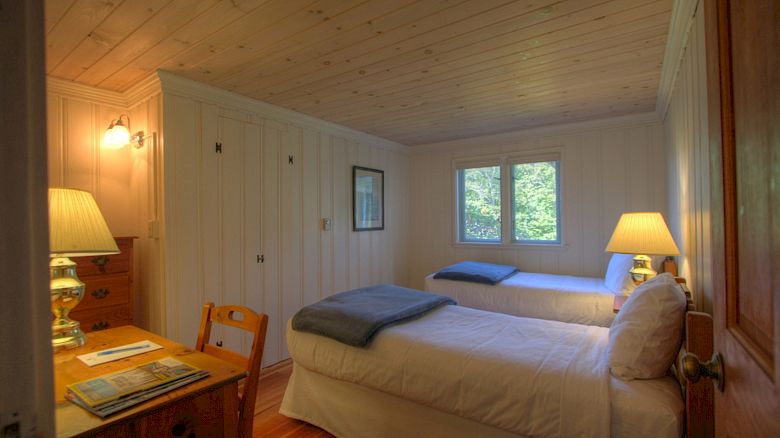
368 199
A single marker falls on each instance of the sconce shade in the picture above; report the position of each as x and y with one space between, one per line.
117 135
642 233
76 226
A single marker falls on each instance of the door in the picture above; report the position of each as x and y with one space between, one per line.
742 46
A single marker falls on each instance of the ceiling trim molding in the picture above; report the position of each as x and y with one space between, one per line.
171 83
85 92
647 118
683 15
143 90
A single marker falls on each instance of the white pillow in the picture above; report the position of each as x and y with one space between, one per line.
618 279
646 334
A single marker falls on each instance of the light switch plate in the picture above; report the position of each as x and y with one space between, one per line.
326 224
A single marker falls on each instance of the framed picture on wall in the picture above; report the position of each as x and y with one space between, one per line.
368 199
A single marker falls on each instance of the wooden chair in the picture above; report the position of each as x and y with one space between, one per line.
251 322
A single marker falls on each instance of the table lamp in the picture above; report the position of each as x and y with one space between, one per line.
76 228
642 234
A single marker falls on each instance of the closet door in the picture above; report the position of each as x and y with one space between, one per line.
229 210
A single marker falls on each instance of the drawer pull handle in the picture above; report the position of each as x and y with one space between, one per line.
179 429
100 293
101 262
102 325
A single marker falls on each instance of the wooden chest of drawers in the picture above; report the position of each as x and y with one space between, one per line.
108 295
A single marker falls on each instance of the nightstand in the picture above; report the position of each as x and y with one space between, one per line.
108 291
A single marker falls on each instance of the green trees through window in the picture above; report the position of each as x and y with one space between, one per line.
534 198
535 201
481 217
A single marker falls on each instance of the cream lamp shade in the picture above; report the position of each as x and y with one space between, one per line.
642 233
76 226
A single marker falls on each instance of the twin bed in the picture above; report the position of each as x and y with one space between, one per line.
458 371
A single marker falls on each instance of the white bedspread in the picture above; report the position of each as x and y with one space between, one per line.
581 300
526 376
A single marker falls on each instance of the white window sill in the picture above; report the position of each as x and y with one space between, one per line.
517 246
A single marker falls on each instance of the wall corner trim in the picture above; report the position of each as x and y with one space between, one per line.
683 14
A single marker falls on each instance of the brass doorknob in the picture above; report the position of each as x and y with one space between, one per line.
693 369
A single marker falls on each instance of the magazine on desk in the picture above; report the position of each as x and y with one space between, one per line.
113 392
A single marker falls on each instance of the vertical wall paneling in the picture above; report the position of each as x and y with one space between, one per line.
290 231
311 244
231 234
209 211
219 213
342 222
122 181
357 261
183 314
600 179
271 244
252 226
686 138
325 199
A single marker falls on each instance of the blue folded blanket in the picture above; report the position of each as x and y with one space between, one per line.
476 272
355 316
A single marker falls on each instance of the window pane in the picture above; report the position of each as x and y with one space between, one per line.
480 204
535 201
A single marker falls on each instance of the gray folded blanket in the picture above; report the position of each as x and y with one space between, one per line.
355 316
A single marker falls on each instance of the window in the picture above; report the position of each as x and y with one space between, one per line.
509 200
535 202
480 200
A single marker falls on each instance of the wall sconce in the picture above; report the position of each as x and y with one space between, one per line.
118 135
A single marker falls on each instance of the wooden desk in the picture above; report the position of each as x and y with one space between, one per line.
208 407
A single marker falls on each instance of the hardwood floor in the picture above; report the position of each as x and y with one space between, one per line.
269 423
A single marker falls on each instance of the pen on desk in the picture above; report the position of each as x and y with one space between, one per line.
122 350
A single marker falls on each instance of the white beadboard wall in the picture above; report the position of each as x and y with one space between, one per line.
77 117
608 167
75 126
687 151
222 210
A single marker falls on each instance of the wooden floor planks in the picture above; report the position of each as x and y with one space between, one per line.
269 423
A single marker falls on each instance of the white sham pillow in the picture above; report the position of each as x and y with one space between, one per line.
647 332
617 278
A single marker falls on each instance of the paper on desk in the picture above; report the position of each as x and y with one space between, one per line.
96 358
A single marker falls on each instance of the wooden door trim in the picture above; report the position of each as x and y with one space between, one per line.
743 331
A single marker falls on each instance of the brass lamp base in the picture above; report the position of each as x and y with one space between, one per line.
642 270
66 292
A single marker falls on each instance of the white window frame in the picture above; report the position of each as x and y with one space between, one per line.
505 162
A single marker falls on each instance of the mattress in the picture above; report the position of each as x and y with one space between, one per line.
579 300
456 369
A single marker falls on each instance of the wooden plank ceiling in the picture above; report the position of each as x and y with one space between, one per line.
413 71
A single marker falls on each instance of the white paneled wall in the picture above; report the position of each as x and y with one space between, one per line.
75 127
278 175
686 138
608 167
77 116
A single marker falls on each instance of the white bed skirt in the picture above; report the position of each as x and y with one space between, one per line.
347 410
